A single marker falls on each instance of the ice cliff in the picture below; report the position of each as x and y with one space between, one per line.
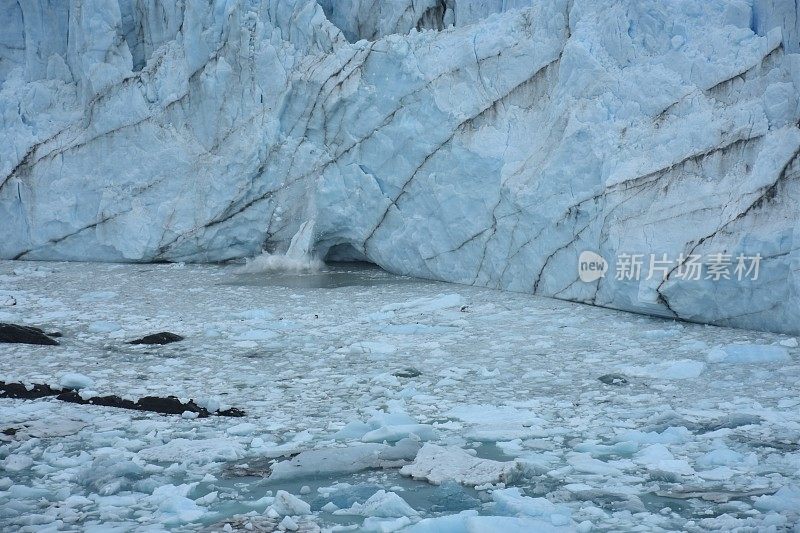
479 142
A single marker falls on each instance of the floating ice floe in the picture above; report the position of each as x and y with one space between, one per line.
723 457
73 380
671 435
585 463
512 501
382 504
624 449
344 460
492 423
369 347
678 369
657 458
47 426
16 462
257 315
245 428
720 473
386 427
174 506
384 525
198 451
286 504
425 305
437 464
785 499
471 522
749 354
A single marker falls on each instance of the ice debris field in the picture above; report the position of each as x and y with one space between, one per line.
378 403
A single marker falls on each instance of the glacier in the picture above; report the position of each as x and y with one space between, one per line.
478 142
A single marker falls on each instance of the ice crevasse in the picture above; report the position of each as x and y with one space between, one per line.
480 142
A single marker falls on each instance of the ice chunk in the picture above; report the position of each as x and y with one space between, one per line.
354 430
198 451
371 347
342 460
438 464
254 314
456 523
288 524
658 458
720 473
245 428
388 427
584 462
175 506
422 432
330 507
749 354
17 462
384 525
786 499
426 305
508 524
494 423
106 475
671 435
621 448
511 501
720 457
76 381
381 504
470 522
286 504
678 369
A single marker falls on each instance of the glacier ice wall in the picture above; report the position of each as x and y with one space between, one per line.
479 142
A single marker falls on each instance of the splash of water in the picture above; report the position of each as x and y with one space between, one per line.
298 258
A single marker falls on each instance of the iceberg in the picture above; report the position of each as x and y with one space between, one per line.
486 143
439 464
